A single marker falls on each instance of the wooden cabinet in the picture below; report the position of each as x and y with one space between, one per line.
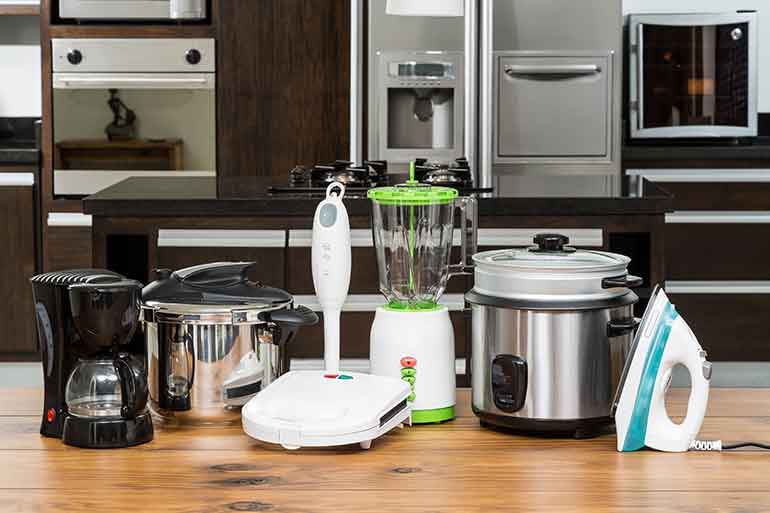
284 86
17 265
717 269
68 241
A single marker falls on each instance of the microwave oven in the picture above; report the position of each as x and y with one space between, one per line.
133 9
693 75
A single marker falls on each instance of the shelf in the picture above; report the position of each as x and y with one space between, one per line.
131 31
19 9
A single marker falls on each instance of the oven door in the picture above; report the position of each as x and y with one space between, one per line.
693 76
113 126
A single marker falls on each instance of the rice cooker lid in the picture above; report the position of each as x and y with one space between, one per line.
217 293
552 254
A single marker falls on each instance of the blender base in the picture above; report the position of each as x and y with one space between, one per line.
418 347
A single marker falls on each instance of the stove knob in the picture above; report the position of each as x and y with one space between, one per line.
74 57
193 56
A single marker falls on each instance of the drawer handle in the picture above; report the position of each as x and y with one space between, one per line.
626 280
569 70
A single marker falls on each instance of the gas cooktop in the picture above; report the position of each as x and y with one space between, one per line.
374 173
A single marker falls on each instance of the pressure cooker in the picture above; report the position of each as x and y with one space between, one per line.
552 327
214 340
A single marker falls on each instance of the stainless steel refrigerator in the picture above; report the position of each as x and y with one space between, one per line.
528 90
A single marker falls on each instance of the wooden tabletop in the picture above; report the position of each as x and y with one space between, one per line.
454 467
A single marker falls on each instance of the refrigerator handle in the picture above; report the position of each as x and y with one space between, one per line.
356 80
471 53
485 77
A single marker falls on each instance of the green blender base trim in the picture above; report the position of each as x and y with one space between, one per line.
433 416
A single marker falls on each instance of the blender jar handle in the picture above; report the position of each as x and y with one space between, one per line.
128 386
468 236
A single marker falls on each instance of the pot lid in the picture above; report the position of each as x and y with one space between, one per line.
551 253
216 288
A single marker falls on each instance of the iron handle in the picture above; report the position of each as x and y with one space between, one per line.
566 70
626 280
620 327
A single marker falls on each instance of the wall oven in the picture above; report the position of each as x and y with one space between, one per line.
693 75
133 9
132 107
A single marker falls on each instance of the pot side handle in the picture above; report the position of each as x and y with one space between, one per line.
625 280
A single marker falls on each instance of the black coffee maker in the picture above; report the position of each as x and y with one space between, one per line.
95 374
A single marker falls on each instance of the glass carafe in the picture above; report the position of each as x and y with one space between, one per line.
106 387
413 228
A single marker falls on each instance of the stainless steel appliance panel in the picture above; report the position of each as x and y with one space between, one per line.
553 106
134 55
573 368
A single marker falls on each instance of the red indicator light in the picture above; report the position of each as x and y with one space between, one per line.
408 361
331 376
51 415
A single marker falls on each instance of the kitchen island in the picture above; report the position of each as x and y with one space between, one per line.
142 224
454 467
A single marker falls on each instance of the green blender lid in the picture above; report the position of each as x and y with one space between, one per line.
412 193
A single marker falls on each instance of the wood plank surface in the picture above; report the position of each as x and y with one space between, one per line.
453 467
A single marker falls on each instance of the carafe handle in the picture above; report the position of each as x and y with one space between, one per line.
468 236
128 386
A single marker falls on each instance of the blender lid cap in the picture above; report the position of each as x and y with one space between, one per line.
413 194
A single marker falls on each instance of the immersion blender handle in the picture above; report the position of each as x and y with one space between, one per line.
468 236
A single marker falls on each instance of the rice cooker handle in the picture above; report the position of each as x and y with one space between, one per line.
626 280
620 327
468 236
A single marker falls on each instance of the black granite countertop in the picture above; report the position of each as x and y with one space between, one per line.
754 149
192 197
18 141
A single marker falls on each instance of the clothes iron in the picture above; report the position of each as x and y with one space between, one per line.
663 341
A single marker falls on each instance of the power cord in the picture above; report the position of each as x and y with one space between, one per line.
717 445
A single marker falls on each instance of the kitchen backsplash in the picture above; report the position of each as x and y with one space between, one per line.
20 87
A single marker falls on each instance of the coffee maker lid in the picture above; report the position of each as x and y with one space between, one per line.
67 278
212 292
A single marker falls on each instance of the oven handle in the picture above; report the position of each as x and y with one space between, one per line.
157 81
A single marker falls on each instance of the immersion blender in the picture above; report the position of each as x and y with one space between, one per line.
331 263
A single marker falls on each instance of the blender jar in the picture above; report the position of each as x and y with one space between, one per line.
412 226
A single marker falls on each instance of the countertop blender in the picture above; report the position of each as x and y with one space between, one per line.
412 336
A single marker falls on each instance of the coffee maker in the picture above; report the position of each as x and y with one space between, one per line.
94 372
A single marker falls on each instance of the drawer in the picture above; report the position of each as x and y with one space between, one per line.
364 278
356 325
701 247
729 319
178 249
710 189
68 242
553 105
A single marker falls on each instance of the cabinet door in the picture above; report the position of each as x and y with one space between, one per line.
178 249
17 266
68 243
553 106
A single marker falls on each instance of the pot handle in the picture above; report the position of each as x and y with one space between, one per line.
287 321
468 236
624 326
625 280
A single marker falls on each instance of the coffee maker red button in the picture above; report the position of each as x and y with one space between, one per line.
51 415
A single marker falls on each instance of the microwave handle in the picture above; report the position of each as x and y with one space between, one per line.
72 81
639 103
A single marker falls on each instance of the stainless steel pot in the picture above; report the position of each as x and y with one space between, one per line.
552 328
214 340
